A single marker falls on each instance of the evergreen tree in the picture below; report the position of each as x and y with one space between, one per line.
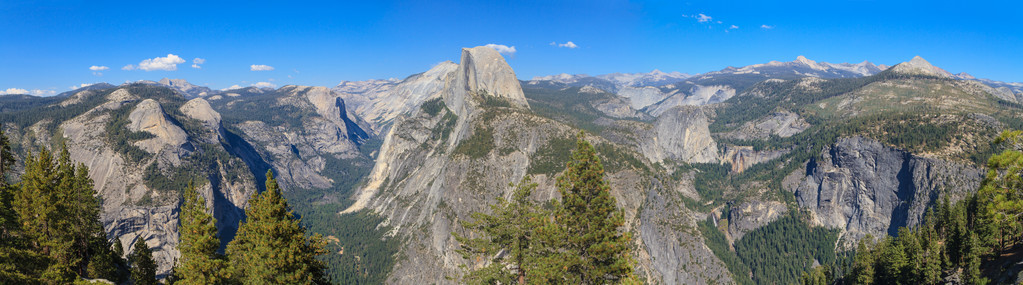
972 274
143 268
198 243
19 262
45 218
271 247
512 228
591 221
863 262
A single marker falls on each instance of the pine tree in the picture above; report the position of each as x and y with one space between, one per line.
511 227
972 274
271 247
198 243
45 218
143 268
863 263
591 221
19 262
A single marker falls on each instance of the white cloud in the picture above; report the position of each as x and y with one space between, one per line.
11 91
766 27
98 68
197 61
83 85
265 85
168 63
703 18
569 44
236 86
97 73
503 49
36 92
128 67
260 67
733 27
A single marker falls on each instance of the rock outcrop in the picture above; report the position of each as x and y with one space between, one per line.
424 183
743 157
750 215
148 117
863 187
781 123
920 66
681 134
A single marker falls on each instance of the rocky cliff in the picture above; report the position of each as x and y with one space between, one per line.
863 187
681 134
438 165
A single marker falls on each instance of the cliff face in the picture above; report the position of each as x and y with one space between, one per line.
863 187
132 209
426 180
680 134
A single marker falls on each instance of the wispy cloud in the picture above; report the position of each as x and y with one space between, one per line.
167 63
503 49
766 27
260 67
236 86
36 92
197 61
733 27
703 18
568 44
83 85
98 68
265 85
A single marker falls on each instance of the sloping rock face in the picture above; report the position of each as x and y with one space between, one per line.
920 66
426 181
676 255
149 117
751 215
379 102
862 187
781 123
482 69
299 146
681 134
131 210
743 157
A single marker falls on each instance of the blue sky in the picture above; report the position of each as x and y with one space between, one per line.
49 46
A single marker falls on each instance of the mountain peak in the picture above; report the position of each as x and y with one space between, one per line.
919 65
810 63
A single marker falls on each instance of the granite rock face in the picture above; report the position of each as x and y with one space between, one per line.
424 184
681 134
863 187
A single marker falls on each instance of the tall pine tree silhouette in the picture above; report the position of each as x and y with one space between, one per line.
198 243
271 247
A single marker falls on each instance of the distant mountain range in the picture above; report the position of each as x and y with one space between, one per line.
697 162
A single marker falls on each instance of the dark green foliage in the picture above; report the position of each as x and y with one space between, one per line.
271 247
361 253
956 237
198 243
515 226
478 145
143 268
616 158
552 157
433 106
717 243
781 251
567 105
588 215
122 139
